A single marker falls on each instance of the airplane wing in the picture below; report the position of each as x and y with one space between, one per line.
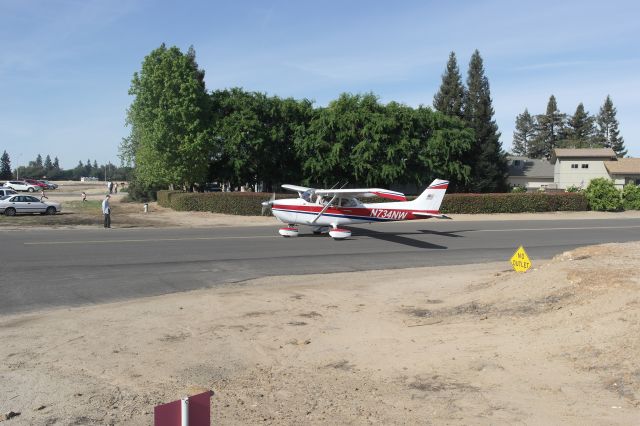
429 215
295 188
363 192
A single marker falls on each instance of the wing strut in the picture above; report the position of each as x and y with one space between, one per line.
324 209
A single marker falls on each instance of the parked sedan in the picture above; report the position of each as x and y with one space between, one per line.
20 185
11 205
6 191
37 183
50 185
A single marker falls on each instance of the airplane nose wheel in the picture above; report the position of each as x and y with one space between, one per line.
289 231
339 233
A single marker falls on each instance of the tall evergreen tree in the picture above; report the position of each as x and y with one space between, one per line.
487 159
5 166
450 98
39 160
607 132
580 129
524 134
56 163
47 162
550 130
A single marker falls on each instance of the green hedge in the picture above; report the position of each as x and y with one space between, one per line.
514 202
249 203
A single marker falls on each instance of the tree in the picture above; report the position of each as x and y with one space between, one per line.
450 98
5 166
47 163
170 140
256 135
580 129
524 134
549 132
56 163
487 160
38 162
607 133
356 139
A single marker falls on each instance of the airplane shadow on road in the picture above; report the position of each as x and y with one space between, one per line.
453 234
398 238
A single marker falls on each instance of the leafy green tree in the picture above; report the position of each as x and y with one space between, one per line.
39 160
358 140
5 166
450 98
524 134
550 130
607 133
603 195
47 163
255 134
580 130
631 197
170 141
487 160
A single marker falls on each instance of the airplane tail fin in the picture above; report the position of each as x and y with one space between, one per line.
432 197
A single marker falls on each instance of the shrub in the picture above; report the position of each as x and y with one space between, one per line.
513 203
603 195
518 189
143 193
573 188
249 203
631 197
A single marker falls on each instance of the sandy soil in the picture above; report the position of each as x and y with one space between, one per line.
475 344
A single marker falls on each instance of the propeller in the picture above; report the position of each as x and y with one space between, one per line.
266 205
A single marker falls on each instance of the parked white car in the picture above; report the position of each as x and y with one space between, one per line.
20 185
6 191
11 205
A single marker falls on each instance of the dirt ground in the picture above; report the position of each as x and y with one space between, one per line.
474 344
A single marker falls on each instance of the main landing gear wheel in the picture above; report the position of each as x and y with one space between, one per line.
339 233
289 231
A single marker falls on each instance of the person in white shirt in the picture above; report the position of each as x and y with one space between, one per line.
106 211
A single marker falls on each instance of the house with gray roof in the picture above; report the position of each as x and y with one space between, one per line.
530 173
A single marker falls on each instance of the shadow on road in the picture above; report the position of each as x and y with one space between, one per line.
398 238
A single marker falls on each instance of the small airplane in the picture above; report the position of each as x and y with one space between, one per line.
325 210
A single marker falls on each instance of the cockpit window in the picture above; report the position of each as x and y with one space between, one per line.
306 195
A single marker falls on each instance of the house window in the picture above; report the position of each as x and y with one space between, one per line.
516 162
585 166
574 166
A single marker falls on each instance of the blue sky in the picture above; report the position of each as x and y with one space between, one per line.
66 66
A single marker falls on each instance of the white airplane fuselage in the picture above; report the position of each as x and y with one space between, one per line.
296 211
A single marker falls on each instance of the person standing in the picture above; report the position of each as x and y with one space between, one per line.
115 188
84 196
106 211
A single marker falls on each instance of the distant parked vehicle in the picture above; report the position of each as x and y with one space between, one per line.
49 185
7 191
20 185
36 182
26 204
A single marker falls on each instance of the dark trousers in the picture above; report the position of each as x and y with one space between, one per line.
107 221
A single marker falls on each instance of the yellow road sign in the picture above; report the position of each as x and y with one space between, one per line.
520 260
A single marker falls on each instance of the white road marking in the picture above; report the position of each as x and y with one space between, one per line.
146 240
585 228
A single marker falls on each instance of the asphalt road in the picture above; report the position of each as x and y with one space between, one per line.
46 269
